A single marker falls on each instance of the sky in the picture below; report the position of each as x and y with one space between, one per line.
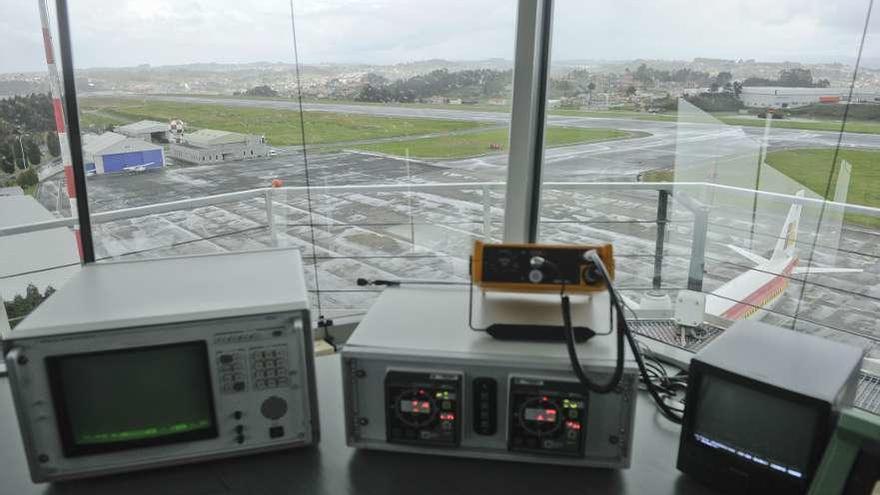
118 33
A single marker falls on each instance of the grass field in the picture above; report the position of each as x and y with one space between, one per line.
811 168
475 144
731 118
281 127
862 127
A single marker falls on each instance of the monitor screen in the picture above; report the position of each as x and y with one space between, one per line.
754 425
115 400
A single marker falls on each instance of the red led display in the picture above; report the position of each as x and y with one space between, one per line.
540 414
415 406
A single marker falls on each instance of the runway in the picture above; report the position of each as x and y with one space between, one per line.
611 160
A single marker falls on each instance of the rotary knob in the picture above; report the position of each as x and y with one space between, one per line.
274 407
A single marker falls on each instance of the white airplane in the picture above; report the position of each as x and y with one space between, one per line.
752 293
136 169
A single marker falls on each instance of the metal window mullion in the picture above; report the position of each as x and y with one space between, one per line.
527 120
73 135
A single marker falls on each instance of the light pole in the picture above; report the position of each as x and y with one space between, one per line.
24 159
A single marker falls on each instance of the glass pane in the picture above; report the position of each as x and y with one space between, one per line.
720 144
197 140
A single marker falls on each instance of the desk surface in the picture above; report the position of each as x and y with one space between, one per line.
333 468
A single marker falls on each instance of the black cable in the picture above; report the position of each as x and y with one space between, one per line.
575 362
670 413
325 324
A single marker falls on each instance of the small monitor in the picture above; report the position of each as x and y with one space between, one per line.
117 400
759 438
760 407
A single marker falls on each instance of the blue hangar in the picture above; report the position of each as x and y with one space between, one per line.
111 152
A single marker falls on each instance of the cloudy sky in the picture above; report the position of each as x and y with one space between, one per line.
109 33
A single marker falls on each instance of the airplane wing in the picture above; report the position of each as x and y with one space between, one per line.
756 259
813 270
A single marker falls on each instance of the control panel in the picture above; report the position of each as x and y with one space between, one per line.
547 417
423 408
257 382
539 267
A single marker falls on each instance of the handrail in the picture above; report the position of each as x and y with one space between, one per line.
137 211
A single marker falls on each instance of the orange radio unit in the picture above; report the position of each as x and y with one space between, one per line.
539 267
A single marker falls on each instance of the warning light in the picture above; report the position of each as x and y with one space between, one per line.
572 425
447 416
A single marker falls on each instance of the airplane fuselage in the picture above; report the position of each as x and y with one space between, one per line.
749 295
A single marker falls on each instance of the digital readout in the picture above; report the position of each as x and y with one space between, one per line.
415 406
540 414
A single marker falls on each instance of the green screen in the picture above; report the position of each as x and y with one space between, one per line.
136 395
775 429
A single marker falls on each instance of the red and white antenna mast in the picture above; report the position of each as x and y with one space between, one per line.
60 121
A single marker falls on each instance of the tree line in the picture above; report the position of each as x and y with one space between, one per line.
21 306
26 123
466 84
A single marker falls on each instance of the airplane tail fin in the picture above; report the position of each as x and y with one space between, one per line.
788 237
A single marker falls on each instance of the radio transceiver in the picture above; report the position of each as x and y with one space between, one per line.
539 267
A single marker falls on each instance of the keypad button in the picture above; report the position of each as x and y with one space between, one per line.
271 383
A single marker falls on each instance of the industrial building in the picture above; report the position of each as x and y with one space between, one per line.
213 146
147 130
782 97
111 152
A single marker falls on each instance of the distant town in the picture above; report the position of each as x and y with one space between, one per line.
573 83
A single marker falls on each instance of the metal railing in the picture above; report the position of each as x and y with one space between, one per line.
682 192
